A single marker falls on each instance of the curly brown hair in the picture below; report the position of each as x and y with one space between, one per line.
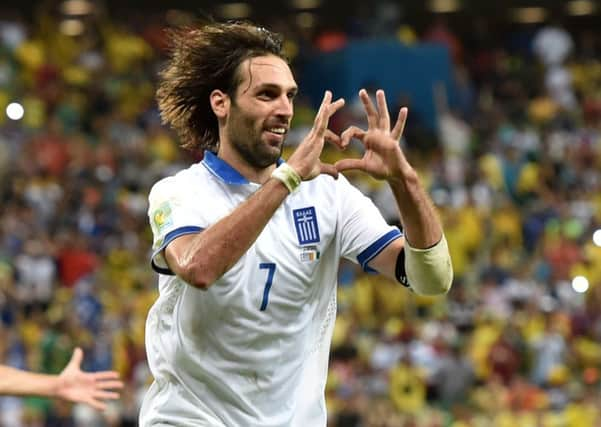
204 59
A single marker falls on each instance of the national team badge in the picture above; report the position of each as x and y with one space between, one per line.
305 222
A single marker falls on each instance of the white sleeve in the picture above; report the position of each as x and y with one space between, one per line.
171 213
363 231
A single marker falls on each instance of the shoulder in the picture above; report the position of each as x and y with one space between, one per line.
177 185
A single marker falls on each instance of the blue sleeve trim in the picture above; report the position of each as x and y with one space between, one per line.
375 248
172 235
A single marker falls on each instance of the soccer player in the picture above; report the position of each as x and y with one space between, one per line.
247 246
72 384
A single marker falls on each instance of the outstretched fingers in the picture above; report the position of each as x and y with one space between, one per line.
383 115
397 131
330 111
95 403
319 117
105 395
107 382
326 110
109 385
106 375
370 110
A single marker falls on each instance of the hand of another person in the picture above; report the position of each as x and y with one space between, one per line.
305 159
92 388
383 158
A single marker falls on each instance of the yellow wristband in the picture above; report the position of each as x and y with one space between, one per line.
288 176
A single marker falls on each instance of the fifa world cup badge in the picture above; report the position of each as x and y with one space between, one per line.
161 217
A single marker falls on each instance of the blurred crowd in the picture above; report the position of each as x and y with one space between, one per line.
514 168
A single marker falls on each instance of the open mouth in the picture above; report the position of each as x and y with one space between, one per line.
275 135
280 131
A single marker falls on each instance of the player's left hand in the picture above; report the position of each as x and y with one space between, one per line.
92 388
383 158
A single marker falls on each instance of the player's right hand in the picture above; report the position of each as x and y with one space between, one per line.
305 159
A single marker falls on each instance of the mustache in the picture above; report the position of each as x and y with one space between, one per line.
277 123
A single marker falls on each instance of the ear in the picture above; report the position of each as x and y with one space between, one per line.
220 103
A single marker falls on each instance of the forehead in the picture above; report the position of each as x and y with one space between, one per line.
266 70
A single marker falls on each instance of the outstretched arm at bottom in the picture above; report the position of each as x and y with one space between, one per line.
72 384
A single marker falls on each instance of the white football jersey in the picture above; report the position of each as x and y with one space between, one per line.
252 350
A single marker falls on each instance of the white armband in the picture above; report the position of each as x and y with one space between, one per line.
288 176
429 271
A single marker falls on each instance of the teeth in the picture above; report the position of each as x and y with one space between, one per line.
280 131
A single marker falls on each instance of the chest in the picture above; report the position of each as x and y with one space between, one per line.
288 265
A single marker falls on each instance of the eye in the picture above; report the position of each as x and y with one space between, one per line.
267 95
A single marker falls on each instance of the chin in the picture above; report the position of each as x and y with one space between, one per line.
264 157
273 151
258 152
271 159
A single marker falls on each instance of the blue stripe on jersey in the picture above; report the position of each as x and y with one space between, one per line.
375 248
223 170
172 235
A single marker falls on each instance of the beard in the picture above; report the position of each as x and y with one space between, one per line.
246 138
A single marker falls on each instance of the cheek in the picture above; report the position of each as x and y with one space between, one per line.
245 128
252 122
249 124
250 116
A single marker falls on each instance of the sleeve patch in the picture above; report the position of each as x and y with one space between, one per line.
162 218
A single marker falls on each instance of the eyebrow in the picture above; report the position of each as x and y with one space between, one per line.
293 89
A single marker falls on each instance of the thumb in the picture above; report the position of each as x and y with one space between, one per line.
328 169
348 164
76 358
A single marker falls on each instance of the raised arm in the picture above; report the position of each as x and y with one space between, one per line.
426 261
72 384
200 259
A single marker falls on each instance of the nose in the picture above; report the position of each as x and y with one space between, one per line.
284 107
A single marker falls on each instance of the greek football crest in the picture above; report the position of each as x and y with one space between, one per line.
305 222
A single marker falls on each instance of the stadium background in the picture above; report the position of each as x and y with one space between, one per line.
508 144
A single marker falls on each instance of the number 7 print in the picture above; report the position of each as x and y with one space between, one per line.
270 266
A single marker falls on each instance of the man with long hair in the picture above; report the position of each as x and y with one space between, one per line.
247 245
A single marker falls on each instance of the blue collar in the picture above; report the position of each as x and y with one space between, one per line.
221 169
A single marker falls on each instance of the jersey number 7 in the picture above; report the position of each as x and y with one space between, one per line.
270 267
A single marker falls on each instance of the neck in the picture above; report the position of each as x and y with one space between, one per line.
251 173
